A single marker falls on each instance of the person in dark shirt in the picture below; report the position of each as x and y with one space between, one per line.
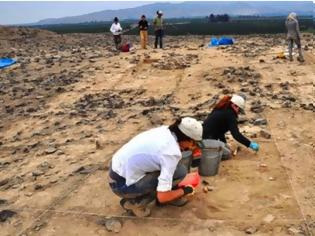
143 27
222 119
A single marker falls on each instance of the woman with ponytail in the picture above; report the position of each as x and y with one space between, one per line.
222 119
147 167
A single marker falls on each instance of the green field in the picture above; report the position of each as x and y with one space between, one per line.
197 26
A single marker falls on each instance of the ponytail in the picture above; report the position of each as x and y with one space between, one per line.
224 103
179 134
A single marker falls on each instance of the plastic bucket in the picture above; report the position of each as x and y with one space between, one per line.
211 157
186 159
192 179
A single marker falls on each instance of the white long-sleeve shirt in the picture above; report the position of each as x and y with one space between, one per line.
152 150
116 28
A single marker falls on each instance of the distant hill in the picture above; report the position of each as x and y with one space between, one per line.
190 9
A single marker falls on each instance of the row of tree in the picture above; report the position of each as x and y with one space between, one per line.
218 18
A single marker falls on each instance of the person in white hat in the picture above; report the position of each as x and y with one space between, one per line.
222 119
158 23
116 31
147 167
294 35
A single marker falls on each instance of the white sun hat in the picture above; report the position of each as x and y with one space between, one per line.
191 128
238 101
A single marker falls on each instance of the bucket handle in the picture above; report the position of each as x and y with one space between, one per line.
219 149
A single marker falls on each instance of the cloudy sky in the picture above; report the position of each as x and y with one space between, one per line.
29 12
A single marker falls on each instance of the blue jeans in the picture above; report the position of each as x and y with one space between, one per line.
145 187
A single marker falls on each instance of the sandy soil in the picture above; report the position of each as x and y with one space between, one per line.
71 101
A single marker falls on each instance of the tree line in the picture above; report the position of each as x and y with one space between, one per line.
218 18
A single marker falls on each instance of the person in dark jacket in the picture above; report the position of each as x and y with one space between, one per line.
222 119
143 27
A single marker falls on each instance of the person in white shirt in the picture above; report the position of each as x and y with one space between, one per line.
116 31
147 167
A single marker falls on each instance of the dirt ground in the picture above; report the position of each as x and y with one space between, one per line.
71 101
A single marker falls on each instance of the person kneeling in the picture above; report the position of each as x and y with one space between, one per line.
147 167
222 119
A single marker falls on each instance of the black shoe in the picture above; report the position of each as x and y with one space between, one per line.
300 59
177 202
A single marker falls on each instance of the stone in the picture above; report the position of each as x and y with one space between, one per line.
37 173
39 226
3 201
84 170
53 181
98 144
257 107
60 152
286 104
50 150
155 119
242 120
45 166
265 134
113 225
294 230
260 121
269 218
38 187
205 182
6 214
251 230
4 182
210 188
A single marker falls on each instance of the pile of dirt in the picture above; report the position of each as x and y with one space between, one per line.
173 61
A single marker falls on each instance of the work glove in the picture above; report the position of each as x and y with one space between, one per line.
254 146
188 190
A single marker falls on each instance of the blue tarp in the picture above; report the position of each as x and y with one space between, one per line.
5 62
222 41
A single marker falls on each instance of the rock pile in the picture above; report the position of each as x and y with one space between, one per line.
173 61
108 102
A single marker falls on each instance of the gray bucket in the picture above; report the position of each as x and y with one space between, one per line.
211 157
186 159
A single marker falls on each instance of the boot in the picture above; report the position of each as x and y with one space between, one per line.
290 48
138 209
177 202
300 57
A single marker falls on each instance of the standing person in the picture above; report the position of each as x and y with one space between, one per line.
158 29
116 31
222 119
143 27
147 167
294 35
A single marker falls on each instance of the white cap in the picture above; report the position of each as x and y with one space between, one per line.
238 101
191 128
160 12
292 15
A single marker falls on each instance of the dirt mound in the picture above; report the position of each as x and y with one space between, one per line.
18 33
